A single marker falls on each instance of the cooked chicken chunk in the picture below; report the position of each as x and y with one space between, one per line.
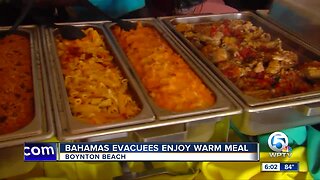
287 59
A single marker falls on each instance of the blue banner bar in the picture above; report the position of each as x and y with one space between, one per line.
160 147
40 152
289 166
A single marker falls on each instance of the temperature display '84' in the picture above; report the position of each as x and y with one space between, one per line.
289 166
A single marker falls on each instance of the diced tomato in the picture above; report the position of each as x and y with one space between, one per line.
213 31
237 33
244 52
226 31
247 52
232 73
261 75
263 83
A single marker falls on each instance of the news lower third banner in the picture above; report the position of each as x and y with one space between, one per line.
141 151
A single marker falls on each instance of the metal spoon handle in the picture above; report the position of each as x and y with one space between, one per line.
22 16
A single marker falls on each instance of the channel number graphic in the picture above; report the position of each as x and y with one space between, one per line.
278 141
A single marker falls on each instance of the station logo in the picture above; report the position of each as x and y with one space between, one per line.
278 142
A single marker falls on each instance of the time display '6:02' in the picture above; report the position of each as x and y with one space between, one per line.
270 167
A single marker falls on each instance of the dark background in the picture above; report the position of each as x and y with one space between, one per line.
10 11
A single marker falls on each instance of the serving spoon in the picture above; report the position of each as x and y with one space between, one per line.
17 23
66 31
69 32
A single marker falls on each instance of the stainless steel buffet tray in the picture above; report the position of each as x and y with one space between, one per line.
68 126
41 127
289 43
301 18
226 108
303 27
259 116
222 103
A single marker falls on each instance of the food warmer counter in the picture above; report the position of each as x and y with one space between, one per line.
56 96
151 123
266 110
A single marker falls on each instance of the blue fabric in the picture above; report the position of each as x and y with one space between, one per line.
117 8
313 152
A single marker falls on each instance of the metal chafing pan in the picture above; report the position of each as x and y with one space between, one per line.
41 127
296 22
289 43
170 126
68 127
222 103
259 116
